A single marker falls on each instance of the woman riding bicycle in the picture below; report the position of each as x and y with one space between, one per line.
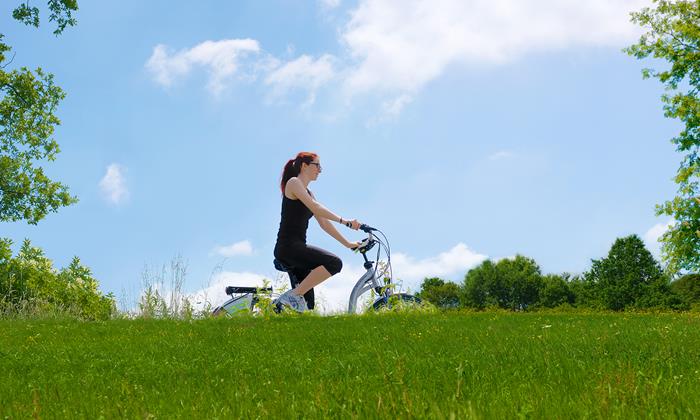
309 264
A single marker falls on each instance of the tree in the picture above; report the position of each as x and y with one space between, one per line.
481 286
688 288
440 293
555 291
28 102
523 280
630 277
583 291
511 283
673 35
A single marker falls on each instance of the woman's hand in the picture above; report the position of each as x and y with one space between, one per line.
353 245
354 224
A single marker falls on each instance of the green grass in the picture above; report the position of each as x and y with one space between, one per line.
396 365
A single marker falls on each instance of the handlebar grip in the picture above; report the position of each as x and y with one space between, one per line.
366 228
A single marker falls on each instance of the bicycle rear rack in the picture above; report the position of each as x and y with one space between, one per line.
243 299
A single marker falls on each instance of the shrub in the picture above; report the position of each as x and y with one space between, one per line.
31 286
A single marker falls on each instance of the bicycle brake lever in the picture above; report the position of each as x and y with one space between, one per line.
366 245
360 246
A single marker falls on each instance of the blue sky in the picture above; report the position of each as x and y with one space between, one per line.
464 130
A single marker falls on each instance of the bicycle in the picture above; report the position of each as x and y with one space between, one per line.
243 299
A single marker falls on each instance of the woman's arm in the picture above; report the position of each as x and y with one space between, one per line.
332 231
296 187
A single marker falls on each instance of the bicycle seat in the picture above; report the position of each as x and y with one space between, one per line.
230 290
279 265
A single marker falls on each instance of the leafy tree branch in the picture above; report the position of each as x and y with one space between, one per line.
28 103
673 35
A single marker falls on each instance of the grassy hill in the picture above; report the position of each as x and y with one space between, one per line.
392 365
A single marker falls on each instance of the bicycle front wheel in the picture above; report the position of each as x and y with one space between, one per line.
397 300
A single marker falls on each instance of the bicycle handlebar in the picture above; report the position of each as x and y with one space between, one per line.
366 228
369 242
363 227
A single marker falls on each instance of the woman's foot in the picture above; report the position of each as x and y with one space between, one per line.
291 299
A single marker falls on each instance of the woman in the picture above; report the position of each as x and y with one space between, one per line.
309 264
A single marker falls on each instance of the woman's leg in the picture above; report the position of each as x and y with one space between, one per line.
320 263
296 277
315 277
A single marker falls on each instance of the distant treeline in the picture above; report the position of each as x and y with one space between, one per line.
628 278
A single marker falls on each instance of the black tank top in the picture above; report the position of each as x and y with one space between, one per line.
294 221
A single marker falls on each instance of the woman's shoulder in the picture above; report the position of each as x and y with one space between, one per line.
293 184
296 183
289 193
293 181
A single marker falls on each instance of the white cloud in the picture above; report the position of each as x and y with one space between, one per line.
113 185
242 248
457 260
329 4
393 48
220 58
303 73
651 237
393 107
400 45
500 155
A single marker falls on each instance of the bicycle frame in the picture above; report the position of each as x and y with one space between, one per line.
367 282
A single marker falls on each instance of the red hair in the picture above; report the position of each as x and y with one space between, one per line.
293 167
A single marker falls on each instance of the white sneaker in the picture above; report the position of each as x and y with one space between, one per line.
294 301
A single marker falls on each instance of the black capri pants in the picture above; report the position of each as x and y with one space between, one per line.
301 259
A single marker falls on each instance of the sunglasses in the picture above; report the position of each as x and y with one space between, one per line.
318 165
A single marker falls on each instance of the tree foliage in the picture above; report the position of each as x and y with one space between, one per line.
440 293
30 285
673 35
629 277
556 291
61 13
688 288
28 102
509 284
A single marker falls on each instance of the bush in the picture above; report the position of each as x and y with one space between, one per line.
31 286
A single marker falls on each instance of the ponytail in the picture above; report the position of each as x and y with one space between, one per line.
293 167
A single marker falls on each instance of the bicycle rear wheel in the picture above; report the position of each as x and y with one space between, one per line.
236 305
